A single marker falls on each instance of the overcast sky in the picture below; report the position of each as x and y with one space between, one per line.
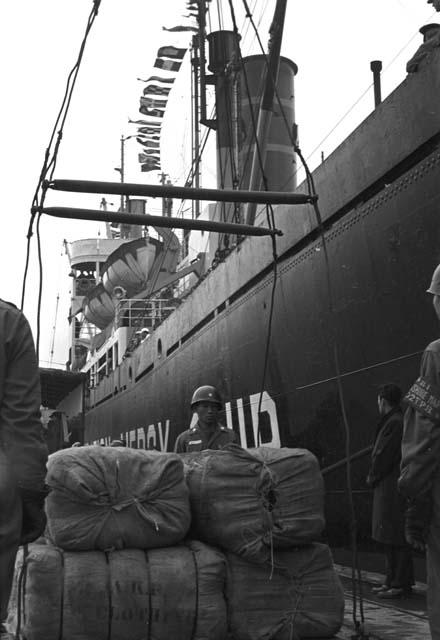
331 42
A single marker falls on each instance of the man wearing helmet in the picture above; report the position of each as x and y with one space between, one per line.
207 433
420 467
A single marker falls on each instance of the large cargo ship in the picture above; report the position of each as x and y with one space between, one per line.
343 311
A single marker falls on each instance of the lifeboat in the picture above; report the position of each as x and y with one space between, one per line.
129 265
99 307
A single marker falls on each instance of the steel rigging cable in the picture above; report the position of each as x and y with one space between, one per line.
356 579
48 168
270 221
356 585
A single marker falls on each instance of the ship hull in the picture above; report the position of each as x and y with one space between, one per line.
362 313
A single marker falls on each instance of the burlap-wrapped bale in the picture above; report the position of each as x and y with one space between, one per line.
300 596
93 595
113 497
249 501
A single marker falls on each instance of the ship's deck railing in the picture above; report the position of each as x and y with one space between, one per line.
135 313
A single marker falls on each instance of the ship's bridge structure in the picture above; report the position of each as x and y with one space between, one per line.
121 285
86 257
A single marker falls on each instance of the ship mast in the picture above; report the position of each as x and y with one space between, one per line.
266 106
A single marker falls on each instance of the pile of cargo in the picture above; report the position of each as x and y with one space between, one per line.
207 546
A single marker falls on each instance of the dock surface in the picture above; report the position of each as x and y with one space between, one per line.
398 619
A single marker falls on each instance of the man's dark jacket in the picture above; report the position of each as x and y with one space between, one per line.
20 426
388 504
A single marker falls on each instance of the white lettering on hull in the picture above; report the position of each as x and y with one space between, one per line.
267 406
132 438
163 438
151 437
157 435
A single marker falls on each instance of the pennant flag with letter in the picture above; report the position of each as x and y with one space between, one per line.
154 113
148 123
171 52
148 143
167 65
153 132
151 165
146 137
180 28
142 157
154 90
152 153
152 103
158 79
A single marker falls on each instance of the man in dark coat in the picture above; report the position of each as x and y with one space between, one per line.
388 522
23 453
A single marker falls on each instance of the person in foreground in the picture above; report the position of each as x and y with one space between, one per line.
420 468
23 453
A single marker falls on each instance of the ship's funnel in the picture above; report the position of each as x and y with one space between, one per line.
280 163
223 50
129 266
136 205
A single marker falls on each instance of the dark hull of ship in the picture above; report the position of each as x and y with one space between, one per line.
379 195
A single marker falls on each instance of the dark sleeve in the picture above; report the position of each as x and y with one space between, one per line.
421 439
20 399
423 52
387 453
180 444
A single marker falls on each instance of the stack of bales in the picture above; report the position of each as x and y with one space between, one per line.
115 566
264 508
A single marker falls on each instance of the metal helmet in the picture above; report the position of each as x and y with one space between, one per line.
206 394
434 287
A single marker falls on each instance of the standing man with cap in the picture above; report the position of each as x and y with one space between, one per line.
23 453
207 433
420 467
388 504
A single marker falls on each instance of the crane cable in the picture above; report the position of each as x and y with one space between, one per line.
356 574
269 214
48 168
356 577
